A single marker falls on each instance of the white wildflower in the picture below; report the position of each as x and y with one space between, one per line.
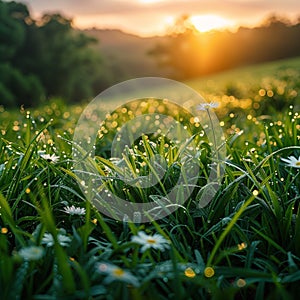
114 273
292 161
206 106
72 210
51 158
155 241
62 239
32 253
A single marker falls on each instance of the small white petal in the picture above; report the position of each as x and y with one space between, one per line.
114 273
147 241
72 210
292 161
52 158
32 253
206 106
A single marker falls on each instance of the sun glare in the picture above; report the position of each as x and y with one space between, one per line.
206 23
149 1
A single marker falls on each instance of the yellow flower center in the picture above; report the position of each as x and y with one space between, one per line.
151 241
189 272
298 163
118 272
241 283
4 230
242 246
206 106
209 272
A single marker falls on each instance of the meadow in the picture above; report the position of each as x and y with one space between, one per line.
245 244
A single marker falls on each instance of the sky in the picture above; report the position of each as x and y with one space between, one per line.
153 17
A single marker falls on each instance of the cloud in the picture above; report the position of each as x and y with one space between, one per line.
86 7
134 15
104 7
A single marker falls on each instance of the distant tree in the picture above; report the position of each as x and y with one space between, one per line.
14 84
273 21
181 49
11 33
66 63
44 58
192 54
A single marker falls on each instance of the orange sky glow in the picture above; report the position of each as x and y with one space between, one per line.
155 17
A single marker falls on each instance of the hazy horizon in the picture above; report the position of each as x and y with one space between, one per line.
154 17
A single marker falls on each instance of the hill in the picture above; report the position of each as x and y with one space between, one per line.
126 55
247 76
262 89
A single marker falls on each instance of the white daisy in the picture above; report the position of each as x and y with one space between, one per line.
206 106
292 161
72 210
51 158
62 239
32 253
155 241
114 273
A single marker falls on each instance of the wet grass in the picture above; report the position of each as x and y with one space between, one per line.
244 244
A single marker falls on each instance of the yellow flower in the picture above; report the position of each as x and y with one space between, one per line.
4 230
240 283
189 272
209 272
242 246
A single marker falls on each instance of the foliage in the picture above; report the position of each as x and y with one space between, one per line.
243 245
191 54
45 58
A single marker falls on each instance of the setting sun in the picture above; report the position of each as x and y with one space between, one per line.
206 23
149 1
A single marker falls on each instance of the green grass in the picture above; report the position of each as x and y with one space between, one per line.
245 244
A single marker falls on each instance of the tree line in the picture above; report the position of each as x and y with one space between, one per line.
190 53
45 58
